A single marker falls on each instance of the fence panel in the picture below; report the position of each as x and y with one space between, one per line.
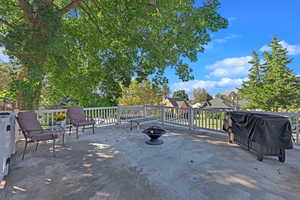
208 119
191 117
154 112
126 113
177 116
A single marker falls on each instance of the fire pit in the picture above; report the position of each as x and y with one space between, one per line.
154 132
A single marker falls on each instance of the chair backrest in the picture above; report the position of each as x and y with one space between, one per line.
28 121
75 113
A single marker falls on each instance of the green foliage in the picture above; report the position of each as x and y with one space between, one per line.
200 95
7 89
87 54
271 85
166 90
181 95
141 94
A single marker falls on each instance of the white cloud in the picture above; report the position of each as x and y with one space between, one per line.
216 41
225 39
230 67
224 83
292 49
231 73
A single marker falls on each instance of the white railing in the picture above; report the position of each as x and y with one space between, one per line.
153 112
193 118
176 116
127 113
102 115
208 119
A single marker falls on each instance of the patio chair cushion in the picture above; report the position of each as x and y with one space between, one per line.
77 117
43 136
76 113
82 122
28 121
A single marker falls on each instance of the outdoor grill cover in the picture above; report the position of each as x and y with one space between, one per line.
264 129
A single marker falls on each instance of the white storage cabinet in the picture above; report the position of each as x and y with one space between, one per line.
7 141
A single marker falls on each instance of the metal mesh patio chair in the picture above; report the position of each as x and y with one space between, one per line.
77 119
33 131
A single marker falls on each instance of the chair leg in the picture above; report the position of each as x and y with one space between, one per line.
70 129
63 138
77 132
54 148
24 150
36 147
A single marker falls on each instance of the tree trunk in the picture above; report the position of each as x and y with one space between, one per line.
24 103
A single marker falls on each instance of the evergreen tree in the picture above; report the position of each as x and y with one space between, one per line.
252 89
271 86
280 90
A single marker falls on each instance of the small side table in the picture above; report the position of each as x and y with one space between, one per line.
60 128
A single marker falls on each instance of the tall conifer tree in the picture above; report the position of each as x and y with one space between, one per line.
252 88
280 90
271 86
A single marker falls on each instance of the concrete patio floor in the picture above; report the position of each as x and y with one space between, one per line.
116 164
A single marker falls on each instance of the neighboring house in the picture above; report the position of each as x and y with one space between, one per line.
175 102
200 104
219 103
242 104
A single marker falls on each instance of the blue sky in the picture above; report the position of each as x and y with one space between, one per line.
252 24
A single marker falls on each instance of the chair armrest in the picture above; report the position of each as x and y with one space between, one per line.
38 131
33 132
84 120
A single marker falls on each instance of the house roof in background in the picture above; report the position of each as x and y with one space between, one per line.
219 103
177 102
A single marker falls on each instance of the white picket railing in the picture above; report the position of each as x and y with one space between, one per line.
208 119
102 115
176 116
193 118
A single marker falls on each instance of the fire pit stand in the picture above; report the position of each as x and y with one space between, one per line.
154 132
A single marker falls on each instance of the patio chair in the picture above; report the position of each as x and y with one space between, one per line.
33 131
77 119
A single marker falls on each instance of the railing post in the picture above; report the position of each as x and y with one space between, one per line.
145 111
118 115
190 117
163 116
297 129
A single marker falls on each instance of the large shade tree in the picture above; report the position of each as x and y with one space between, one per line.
89 47
141 93
200 95
180 94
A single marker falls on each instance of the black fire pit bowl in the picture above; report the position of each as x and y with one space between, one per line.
154 132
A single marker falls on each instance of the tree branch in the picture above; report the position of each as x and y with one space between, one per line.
48 2
25 7
70 6
92 18
3 21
